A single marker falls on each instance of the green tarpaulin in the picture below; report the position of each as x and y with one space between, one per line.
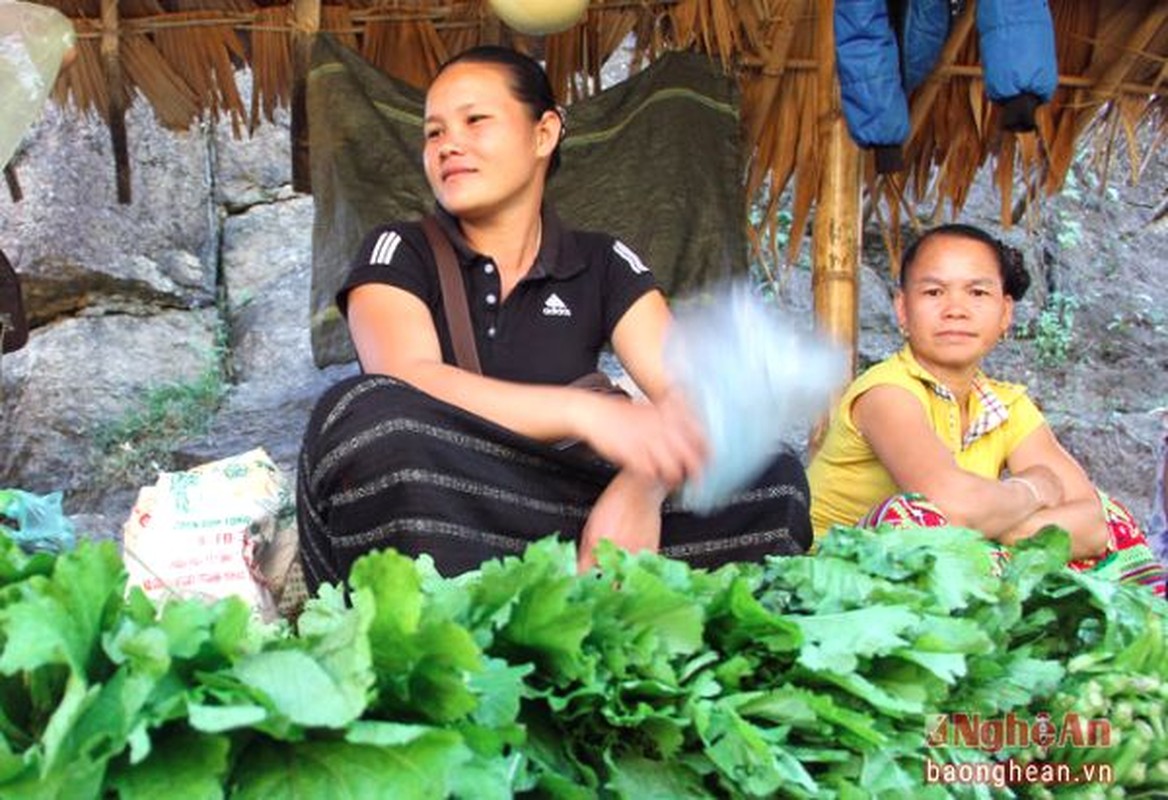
654 160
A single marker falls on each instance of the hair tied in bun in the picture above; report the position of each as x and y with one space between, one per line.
1015 278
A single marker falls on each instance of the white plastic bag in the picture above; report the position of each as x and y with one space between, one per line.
223 528
33 41
753 381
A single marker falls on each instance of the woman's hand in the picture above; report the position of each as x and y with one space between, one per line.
628 513
660 442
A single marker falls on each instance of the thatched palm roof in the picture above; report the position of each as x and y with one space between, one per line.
1113 58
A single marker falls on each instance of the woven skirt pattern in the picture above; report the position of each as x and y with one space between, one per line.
386 465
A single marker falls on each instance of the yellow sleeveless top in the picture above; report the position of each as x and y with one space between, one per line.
847 479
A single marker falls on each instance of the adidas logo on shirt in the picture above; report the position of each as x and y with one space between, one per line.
555 307
383 250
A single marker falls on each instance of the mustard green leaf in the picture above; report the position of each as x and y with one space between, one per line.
825 584
145 650
1005 681
187 625
139 742
833 642
639 778
643 604
391 581
738 619
75 780
439 686
883 776
557 787
804 708
746 760
945 634
302 690
182 764
946 666
1034 558
16 565
139 607
11 764
420 660
487 778
217 719
499 687
387 734
962 566
418 770
56 739
888 703
102 730
235 631
548 627
337 637
59 619
494 591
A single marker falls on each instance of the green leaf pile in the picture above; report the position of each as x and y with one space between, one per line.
806 677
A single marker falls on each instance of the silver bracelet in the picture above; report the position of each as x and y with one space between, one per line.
1029 485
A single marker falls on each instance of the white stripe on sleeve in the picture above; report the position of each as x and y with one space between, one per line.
632 259
385 248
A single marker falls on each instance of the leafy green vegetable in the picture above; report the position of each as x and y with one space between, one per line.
811 676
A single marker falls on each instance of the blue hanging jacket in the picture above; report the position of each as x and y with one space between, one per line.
923 33
868 63
1018 57
876 74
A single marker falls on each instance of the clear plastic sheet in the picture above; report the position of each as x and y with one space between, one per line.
755 383
36 522
33 42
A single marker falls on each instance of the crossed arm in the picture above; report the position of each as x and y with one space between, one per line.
897 429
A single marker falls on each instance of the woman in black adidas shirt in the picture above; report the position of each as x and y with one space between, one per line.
421 455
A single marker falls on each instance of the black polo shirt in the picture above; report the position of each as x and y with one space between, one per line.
552 326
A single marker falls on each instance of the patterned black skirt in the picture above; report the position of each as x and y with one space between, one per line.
386 465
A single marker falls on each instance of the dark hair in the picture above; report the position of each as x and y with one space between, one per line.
529 83
1011 265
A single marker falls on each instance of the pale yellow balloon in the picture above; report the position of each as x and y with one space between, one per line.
539 17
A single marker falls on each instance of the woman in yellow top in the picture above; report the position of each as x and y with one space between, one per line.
927 421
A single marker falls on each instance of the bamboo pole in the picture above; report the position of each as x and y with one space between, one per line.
116 110
836 228
305 24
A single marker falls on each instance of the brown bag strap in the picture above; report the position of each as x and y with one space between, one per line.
454 301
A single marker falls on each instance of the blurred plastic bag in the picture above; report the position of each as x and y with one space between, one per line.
752 380
36 522
33 41
220 529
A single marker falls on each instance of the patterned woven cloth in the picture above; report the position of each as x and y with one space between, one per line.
386 465
1128 559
